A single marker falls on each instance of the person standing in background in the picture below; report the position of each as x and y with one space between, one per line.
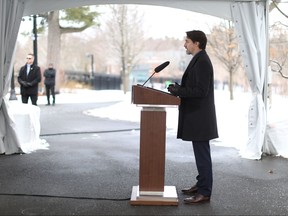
197 116
50 74
29 78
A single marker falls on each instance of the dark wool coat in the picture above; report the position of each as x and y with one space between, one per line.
197 117
34 77
49 75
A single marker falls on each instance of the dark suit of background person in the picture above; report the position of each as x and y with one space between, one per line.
197 117
50 74
29 80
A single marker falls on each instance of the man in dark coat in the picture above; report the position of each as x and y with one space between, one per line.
197 116
50 74
29 78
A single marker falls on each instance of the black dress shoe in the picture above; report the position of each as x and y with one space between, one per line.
190 191
198 198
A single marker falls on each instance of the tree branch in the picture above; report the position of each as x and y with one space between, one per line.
73 29
279 70
275 3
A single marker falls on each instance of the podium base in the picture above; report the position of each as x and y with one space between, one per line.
169 197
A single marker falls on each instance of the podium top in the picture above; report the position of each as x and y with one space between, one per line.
149 96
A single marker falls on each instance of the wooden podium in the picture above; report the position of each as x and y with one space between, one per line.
151 189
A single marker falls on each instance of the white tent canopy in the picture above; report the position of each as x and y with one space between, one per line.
214 7
251 23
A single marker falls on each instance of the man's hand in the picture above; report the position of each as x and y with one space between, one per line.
173 89
23 83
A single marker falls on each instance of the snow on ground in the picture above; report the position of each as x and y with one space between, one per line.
67 96
231 115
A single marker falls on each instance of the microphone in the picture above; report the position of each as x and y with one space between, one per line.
157 70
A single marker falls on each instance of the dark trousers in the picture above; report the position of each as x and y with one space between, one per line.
50 88
204 166
33 98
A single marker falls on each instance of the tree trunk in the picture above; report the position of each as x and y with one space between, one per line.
126 83
54 46
231 86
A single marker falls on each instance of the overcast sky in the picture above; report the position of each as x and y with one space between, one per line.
161 22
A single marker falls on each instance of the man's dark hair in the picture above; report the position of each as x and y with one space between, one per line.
198 36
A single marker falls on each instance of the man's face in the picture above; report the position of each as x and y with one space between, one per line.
190 46
30 59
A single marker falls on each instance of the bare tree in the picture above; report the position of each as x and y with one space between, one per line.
278 42
278 53
279 58
125 30
223 42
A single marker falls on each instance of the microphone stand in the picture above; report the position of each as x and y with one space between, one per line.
148 79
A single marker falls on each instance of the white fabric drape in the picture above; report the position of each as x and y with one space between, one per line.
10 18
251 25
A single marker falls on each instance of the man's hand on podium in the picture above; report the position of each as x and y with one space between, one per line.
174 88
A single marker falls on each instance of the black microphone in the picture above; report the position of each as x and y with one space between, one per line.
157 70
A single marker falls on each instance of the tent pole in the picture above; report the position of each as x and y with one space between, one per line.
267 80
266 83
